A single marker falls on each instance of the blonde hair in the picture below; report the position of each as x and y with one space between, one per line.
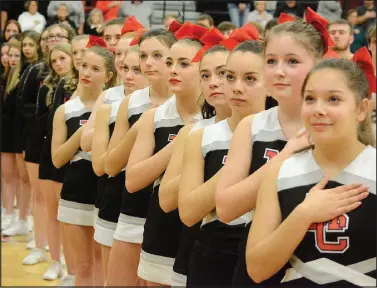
14 73
53 78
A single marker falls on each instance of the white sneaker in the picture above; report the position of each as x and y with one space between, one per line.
30 245
18 228
36 256
67 280
54 271
7 221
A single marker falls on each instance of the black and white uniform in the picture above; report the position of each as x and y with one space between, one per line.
341 251
112 95
188 234
162 230
215 252
267 141
79 190
134 206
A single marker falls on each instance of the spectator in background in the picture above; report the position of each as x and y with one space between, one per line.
259 15
341 33
290 7
238 11
142 10
359 39
31 19
62 17
330 10
76 12
94 23
226 28
366 14
169 19
110 9
205 20
12 27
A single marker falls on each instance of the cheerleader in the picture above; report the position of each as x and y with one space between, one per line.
105 122
111 32
320 226
79 187
152 151
78 49
264 136
125 252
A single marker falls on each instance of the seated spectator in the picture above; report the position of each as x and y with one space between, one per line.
238 11
359 39
341 32
12 27
330 10
366 14
290 7
61 17
259 15
169 19
142 10
31 19
205 20
76 12
95 22
226 28
110 9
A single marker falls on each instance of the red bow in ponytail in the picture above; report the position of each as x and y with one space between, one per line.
190 30
98 41
363 59
175 26
283 17
136 39
245 33
331 54
212 38
131 25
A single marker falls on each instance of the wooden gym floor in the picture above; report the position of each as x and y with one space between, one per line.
13 273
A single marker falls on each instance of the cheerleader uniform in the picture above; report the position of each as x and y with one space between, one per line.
188 234
161 230
268 140
112 94
134 206
343 250
76 205
47 170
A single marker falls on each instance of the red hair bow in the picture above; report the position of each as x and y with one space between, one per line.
212 38
363 59
320 24
98 41
131 25
246 32
190 30
283 17
331 54
136 39
175 26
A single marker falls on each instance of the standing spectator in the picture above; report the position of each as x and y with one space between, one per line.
341 33
31 19
366 14
169 19
142 10
76 12
290 7
205 20
62 17
110 9
259 15
226 28
238 11
95 22
12 27
330 10
359 39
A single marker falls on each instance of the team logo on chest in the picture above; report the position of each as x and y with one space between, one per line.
270 153
224 159
171 137
83 122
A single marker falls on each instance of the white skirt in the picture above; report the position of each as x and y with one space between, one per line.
75 213
104 232
129 229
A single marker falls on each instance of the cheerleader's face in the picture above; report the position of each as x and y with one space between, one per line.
56 36
153 56
14 57
112 34
120 52
5 56
29 48
78 51
93 73
286 65
184 74
329 108
61 62
245 85
43 42
212 77
132 77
